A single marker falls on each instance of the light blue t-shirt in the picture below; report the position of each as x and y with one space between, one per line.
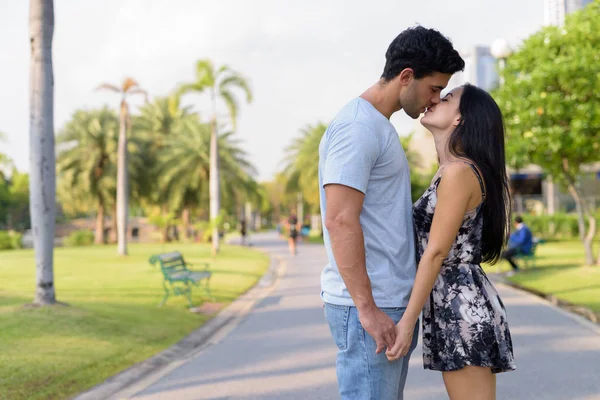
361 149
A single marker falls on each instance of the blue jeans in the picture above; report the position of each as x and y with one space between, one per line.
362 374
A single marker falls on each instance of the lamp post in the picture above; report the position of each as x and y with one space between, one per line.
501 51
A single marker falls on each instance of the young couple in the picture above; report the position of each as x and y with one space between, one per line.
389 259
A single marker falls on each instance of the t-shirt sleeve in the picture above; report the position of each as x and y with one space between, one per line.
351 153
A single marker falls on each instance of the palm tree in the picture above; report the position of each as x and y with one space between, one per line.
185 168
41 146
219 83
158 122
301 168
161 118
87 165
128 87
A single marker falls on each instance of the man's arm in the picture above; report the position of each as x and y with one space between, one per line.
519 238
342 221
351 151
344 205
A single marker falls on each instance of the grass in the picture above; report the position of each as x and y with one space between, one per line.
112 320
560 271
315 239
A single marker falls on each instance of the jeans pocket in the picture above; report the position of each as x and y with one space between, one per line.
337 318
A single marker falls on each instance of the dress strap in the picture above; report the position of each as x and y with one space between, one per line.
479 178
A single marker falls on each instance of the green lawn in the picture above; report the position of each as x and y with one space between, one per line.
113 320
560 272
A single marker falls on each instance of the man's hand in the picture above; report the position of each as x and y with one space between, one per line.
379 326
404 336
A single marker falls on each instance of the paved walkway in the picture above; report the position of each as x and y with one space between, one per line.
283 350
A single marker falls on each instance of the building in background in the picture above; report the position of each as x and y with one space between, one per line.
480 69
556 10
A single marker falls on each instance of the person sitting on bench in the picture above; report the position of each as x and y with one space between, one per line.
520 242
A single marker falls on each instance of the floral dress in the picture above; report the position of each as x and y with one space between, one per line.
464 320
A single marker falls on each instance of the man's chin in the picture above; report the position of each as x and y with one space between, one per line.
413 114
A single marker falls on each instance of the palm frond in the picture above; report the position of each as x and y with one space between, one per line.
205 73
232 106
139 91
237 81
108 86
129 84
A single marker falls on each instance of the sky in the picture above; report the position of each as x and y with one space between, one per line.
304 59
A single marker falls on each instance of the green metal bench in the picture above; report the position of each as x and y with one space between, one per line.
178 280
529 260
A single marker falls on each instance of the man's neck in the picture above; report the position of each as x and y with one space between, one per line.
520 226
383 98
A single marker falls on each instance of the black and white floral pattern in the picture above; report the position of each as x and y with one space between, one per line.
464 320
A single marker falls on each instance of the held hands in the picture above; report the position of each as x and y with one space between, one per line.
404 336
380 326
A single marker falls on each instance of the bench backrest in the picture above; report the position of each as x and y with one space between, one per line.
169 262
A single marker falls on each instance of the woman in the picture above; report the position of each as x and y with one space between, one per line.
461 221
292 234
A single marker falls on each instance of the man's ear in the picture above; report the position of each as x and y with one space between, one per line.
406 76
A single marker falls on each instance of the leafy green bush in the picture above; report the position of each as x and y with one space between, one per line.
557 226
10 240
80 238
16 240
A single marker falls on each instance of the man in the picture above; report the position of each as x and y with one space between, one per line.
367 214
243 231
520 242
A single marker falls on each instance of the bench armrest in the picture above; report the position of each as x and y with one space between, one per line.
205 265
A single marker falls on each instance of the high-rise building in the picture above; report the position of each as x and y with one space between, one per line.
556 10
480 69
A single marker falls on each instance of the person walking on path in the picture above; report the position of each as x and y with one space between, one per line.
292 225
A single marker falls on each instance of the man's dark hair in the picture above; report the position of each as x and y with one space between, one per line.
425 51
519 220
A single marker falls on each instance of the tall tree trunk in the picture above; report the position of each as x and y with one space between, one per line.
113 227
580 216
167 225
300 209
42 178
122 186
185 219
214 189
99 234
583 212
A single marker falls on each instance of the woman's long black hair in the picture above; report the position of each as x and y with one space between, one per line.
480 138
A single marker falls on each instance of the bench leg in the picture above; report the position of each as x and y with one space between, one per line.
205 284
189 299
166 296
164 300
188 294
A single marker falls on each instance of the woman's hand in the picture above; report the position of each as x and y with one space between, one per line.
404 337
